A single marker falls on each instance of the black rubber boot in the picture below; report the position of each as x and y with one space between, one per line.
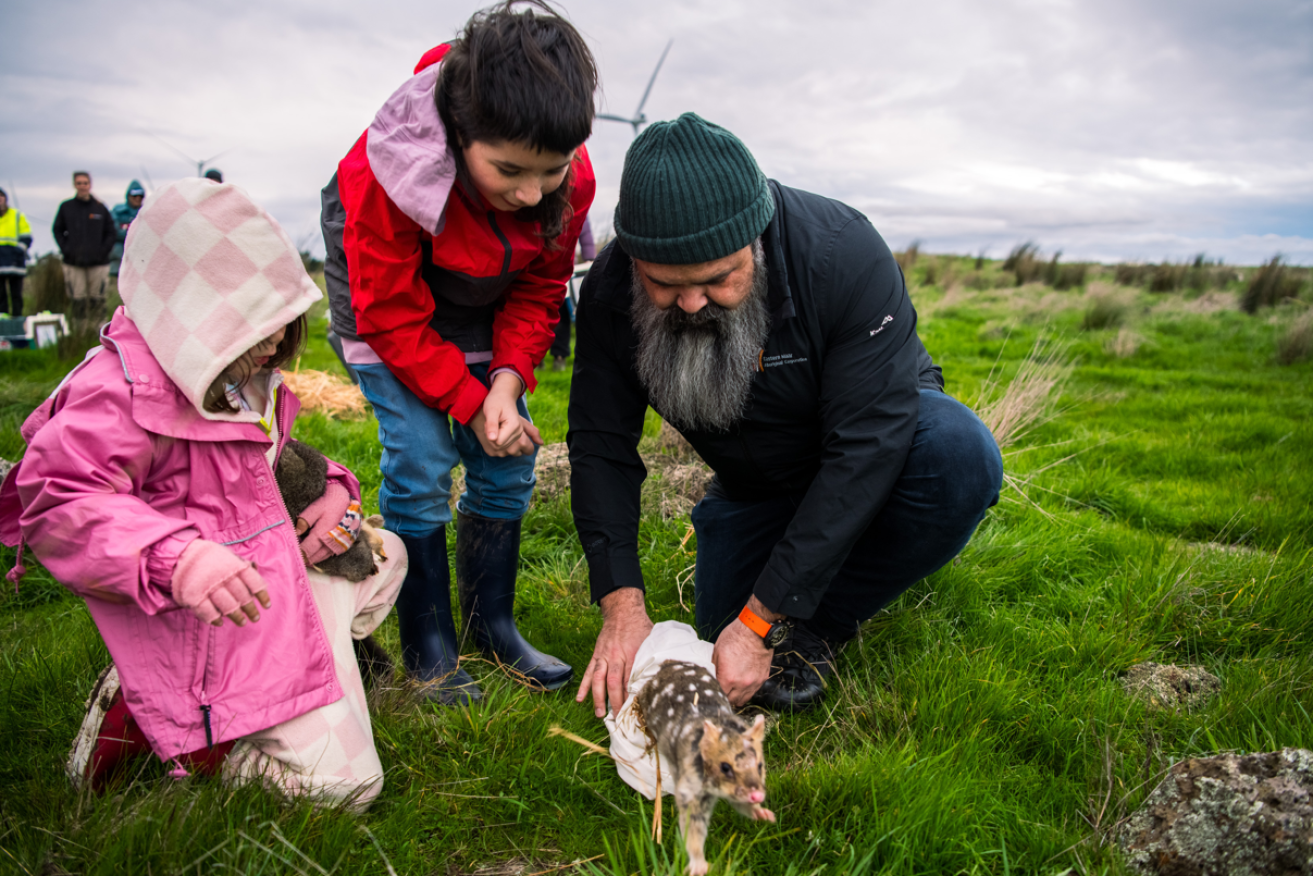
429 647
487 554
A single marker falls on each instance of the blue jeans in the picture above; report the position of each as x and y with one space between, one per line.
952 476
420 448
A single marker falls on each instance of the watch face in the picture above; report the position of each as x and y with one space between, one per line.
778 633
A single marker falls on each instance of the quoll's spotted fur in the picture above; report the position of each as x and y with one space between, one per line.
711 752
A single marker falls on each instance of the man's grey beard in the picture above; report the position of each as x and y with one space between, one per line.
698 367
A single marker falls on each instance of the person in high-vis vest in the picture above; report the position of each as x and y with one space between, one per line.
15 241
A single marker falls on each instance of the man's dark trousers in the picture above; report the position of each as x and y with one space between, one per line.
952 476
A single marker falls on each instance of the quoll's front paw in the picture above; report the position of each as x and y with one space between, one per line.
369 532
760 813
698 868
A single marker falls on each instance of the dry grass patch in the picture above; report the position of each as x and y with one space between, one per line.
321 391
1125 345
1207 303
1107 306
677 478
1295 343
1030 399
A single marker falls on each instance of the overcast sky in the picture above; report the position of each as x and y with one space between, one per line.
1109 130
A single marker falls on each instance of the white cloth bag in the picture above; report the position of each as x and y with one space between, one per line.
669 640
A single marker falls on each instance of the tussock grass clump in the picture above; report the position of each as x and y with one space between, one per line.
907 258
1167 277
1126 343
1205 273
44 287
1068 276
1030 398
1026 266
1198 275
1132 274
1106 306
1295 343
1273 282
1024 262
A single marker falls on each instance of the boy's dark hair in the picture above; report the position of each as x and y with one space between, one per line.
293 342
520 77
78 173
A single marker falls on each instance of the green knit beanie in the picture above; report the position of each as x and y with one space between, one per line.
690 192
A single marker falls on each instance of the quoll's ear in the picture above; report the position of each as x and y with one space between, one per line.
710 737
757 732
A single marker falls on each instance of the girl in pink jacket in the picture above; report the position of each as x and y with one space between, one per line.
148 488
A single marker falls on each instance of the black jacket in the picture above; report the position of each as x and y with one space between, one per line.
831 418
85 232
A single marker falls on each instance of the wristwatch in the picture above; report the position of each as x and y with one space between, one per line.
772 634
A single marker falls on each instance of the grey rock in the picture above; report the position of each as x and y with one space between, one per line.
1165 686
5 466
1227 815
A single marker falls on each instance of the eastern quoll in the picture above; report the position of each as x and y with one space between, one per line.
302 475
711 752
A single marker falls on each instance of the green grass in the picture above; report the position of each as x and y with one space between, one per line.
977 726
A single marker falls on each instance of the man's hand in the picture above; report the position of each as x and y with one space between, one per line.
498 425
742 659
625 625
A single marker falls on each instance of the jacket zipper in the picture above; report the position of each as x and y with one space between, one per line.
505 242
205 706
205 688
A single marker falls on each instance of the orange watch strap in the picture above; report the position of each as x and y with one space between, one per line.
754 623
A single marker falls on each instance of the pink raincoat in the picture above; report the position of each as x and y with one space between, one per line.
123 470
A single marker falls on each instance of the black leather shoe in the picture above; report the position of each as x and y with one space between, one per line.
487 557
428 633
798 672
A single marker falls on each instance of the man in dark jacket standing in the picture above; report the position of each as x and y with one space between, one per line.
772 328
84 230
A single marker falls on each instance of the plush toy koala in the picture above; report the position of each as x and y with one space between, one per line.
302 475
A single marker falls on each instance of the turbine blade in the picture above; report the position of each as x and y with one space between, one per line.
613 118
639 112
190 160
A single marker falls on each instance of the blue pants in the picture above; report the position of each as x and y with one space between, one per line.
420 448
952 476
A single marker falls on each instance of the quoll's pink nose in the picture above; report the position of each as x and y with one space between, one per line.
757 796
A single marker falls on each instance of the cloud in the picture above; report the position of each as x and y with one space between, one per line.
1112 130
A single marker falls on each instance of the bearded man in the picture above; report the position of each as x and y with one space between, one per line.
772 328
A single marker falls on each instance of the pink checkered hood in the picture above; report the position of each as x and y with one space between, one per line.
206 275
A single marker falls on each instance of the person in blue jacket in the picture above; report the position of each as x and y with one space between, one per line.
123 215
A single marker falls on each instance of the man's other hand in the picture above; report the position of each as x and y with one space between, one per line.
742 662
625 626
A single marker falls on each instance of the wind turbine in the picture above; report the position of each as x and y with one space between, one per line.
640 118
200 163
